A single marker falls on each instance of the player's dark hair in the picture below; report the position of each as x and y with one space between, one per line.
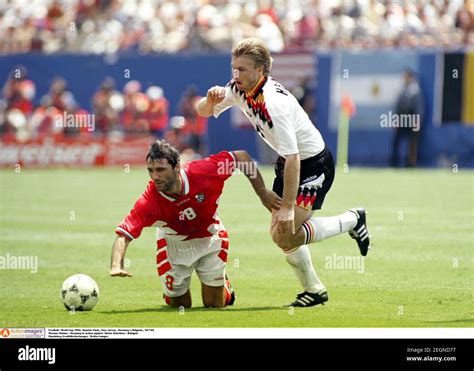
160 150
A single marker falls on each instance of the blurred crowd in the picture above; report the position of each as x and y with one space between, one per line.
115 114
148 26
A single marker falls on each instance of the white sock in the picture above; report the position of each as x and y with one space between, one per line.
320 228
300 260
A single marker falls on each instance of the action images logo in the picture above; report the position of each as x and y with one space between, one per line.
22 333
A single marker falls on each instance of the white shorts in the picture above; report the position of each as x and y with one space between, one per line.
176 260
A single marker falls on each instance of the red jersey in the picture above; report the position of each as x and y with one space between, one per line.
191 215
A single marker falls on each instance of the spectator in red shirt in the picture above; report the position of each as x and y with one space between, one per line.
105 108
157 112
18 93
136 104
195 126
56 90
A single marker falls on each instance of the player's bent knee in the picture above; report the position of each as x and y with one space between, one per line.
179 304
283 241
213 297
179 301
214 304
277 238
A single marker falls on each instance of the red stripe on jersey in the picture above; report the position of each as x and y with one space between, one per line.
161 243
164 268
223 256
161 256
223 234
225 244
299 199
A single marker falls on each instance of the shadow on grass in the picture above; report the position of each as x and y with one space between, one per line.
167 309
467 320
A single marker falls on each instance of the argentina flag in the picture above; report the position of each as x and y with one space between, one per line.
373 79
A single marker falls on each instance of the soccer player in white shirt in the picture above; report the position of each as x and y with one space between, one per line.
304 170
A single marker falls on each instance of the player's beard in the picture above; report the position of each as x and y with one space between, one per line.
167 185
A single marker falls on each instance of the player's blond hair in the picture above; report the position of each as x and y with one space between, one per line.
255 49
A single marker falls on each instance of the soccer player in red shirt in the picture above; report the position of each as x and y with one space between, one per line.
182 200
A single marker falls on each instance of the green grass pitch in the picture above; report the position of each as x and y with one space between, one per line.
418 274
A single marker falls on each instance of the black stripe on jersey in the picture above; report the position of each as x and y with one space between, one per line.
258 108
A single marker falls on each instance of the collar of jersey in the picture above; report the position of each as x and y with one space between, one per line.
184 187
255 90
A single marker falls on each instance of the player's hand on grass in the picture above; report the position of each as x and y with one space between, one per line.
119 272
270 200
215 95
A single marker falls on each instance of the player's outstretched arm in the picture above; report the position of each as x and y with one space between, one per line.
245 164
214 96
118 253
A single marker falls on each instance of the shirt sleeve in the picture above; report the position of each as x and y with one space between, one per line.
285 133
226 103
223 164
138 218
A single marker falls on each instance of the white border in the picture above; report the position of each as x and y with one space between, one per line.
119 229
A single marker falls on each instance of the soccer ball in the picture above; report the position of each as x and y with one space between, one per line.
79 292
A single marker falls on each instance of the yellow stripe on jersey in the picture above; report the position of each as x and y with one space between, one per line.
257 86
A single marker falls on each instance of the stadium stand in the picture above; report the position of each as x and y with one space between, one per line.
147 26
